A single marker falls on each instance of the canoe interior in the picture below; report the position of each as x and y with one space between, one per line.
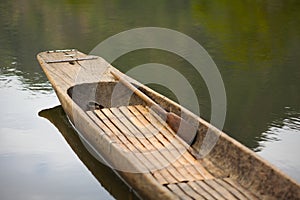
179 170
138 131
114 122
143 133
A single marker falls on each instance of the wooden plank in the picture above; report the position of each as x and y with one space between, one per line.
215 171
145 123
177 190
176 173
72 59
200 191
64 69
163 143
143 162
106 131
145 131
191 169
125 141
184 171
203 172
240 188
189 191
155 142
156 127
132 129
122 129
209 190
126 122
191 159
158 176
168 134
187 171
167 175
135 120
155 160
160 148
164 163
164 128
108 127
221 190
231 189
185 168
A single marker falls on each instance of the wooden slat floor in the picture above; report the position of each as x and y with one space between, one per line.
138 130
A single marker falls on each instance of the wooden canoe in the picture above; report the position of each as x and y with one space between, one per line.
144 150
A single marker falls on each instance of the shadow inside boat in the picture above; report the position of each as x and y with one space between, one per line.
105 175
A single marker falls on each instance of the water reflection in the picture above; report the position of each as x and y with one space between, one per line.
284 133
255 45
104 174
281 126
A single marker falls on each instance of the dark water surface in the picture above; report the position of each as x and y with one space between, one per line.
255 44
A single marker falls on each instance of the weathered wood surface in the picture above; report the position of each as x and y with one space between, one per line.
141 131
139 139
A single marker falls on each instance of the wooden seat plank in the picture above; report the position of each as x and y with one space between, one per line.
132 129
210 190
144 129
240 188
168 133
190 191
231 189
204 173
123 129
169 136
150 165
144 146
107 131
177 190
181 174
167 175
194 173
220 188
163 155
112 130
134 119
200 191
123 142
124 119
159 177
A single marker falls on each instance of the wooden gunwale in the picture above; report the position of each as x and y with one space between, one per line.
230 171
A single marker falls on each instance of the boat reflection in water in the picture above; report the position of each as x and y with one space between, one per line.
105 175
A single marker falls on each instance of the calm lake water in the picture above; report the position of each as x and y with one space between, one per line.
255 44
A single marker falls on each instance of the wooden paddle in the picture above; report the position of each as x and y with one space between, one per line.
187 132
